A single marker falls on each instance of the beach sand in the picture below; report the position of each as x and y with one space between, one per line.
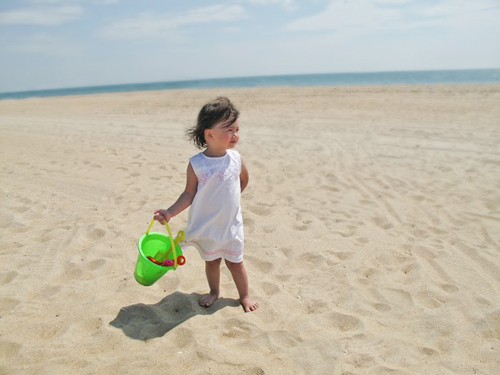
372 223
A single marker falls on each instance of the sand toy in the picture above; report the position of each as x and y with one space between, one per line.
158 254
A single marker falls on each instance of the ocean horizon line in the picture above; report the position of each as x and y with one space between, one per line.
400 77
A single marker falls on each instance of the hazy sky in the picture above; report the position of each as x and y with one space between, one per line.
70 43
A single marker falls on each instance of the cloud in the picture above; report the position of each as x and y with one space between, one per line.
41 15
106 2
393 2
362 15
73 1
343 14
287 4
52 1
450 8
147 24
41 43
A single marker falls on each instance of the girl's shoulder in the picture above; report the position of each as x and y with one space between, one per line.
233 153
197 156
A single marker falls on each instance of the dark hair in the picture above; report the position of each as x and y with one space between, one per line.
212 113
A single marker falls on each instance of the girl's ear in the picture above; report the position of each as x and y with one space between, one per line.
208 133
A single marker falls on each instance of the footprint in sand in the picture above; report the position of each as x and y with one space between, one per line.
288 252
70 271
368 202
428 351
483 301
50 291
412 268
382 307
236 329
8 304
330 188
418 198
397 297
382 223
285 339
95 234
55 234
96 264
489 326
429 300
18 227
10 350
7 277
270 288
183 337
249 225
345 322
11 245
261 265
362 240
313 260
47 331
20 209
350 233
269 229
92 324
371 272
261 209
344 255
303 225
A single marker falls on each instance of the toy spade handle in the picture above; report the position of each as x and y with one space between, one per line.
179 238
172 248
150 226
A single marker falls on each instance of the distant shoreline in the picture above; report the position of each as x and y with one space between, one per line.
471 76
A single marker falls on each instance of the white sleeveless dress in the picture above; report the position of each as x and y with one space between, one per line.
215 222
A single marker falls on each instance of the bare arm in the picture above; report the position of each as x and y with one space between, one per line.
184 200
244 177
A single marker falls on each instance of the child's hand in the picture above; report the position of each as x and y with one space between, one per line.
162 215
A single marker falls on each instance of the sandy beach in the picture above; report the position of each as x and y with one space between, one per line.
372 224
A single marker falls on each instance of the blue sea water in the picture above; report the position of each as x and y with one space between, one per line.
327 79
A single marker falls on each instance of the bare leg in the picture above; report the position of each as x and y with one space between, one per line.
241 280
212 270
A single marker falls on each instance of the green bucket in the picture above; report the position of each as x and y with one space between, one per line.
146 271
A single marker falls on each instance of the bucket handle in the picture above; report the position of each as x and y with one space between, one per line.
172 248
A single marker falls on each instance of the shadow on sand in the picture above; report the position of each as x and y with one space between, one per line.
144 322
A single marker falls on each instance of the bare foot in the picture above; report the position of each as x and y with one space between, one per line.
249 304
208 299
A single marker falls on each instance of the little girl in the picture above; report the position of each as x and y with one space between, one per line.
215 179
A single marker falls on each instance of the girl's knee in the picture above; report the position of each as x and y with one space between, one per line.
213 263
232 265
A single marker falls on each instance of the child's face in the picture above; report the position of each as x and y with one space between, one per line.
223 136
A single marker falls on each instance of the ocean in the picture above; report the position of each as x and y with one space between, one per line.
327 79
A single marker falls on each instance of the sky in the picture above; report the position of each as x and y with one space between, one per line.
47 44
